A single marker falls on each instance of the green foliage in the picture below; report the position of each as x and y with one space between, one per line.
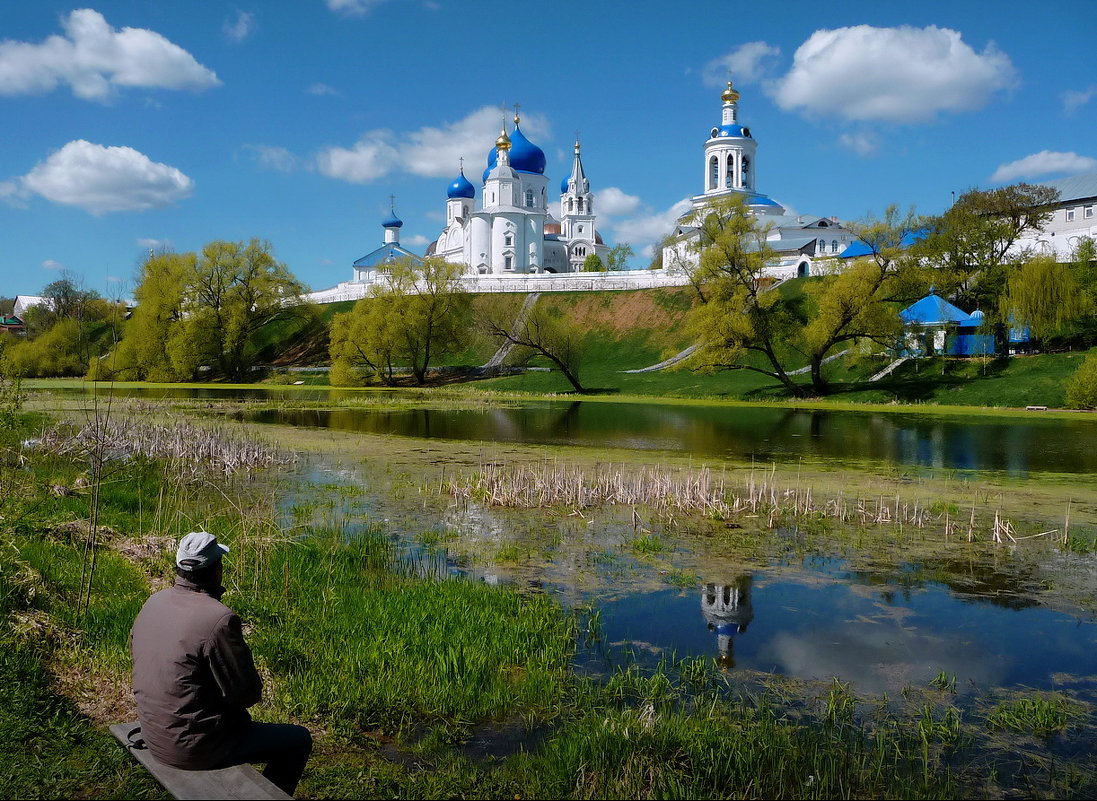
969 243
541 331
593 264
1040 715
743 326
62 349
416 316
1045 296
1082 386
618 256
206 309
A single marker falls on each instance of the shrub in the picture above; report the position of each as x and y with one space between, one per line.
1082 386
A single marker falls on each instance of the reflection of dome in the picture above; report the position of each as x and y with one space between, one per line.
461 187
392 221
524 155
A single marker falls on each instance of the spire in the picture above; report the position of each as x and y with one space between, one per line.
578 175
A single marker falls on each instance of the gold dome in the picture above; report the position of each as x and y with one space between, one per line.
503 142
730 95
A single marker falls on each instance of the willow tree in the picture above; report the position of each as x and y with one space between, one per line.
1045 296
540 331
207 309
415 314
744 324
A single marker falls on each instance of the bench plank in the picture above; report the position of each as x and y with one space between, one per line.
236 782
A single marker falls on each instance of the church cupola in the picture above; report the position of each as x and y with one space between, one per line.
459 197
392 225
577 202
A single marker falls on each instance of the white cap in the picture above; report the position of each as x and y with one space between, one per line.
199 550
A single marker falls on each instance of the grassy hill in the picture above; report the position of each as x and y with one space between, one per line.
635 329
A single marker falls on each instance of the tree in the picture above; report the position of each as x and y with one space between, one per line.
593 264
416 314
1082 386
540 331
618 257
1045 296
743 325
155 345
970 243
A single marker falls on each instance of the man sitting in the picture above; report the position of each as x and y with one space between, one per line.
194 677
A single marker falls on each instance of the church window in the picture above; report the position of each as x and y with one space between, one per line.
580 204
714 170
746 171
590 206
508 262
580 229
571 204
834 246
508 240
728 172
529 198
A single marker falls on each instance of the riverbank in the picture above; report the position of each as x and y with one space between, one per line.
431 708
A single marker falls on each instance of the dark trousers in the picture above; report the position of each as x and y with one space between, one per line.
282 747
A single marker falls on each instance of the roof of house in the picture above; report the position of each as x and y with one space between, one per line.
1076 187
386 254
859 248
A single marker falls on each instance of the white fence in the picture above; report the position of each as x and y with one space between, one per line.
544 282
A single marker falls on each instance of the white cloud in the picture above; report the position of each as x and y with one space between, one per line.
353 8
95 60
50 264
417 241
372 157
430 152
902 74
1046 162
648 227
239 29
148 243
322 89
863 143
272 157
748 62
1073 99
103 179
613 202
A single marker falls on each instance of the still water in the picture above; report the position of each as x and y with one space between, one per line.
1016 446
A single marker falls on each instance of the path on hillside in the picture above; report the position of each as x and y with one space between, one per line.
497 359
666 362
889 369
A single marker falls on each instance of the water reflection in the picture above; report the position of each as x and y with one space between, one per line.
728 611
1017 446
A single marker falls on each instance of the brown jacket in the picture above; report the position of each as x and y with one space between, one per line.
193 676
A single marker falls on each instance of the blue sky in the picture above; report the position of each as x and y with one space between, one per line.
130 124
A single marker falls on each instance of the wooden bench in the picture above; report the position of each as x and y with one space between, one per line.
239 781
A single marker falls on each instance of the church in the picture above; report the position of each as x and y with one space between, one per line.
730 169
511 230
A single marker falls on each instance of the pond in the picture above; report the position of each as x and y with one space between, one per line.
1012 445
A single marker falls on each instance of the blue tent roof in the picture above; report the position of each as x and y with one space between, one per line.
935 310
859 248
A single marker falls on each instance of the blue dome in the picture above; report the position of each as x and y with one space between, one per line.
392 221
524 155
564 185
730 130
461 187
762 200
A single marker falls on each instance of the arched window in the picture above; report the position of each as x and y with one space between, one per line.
590 206
580 203
580 251
508 240
714 173
746 172
529 198
571 204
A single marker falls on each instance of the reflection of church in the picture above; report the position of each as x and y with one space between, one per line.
728 611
